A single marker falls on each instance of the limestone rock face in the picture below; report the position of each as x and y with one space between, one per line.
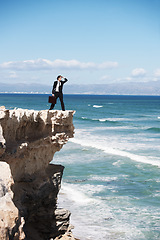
29 184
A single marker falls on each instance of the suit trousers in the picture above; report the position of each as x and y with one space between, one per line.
60 96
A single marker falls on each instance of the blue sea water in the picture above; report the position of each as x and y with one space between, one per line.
111 181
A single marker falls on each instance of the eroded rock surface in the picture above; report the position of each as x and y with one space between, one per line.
29 183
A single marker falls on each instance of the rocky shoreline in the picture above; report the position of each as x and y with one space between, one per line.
29 184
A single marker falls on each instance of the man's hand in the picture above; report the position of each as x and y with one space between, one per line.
53 95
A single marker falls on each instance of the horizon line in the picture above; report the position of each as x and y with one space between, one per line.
84 94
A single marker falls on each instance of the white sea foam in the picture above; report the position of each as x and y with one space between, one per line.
75 195
97 106
114 151
107 119
113 119
103 119
84 194
116 163
84 117
104 178
115 128
119 119
100 219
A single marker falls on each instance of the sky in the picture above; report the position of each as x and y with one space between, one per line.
86 41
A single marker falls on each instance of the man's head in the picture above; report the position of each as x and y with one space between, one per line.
59 78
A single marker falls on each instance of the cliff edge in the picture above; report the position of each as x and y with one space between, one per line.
29 184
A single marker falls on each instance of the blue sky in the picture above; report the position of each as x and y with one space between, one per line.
87 41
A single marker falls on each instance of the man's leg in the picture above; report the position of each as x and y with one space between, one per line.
61 100
52 106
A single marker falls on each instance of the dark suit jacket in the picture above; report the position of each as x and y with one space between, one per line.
60 87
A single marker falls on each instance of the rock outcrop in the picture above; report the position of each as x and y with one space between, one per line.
29 184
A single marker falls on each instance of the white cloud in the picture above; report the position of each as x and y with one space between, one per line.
128 79
44 64
105 77
157 73
13 75
138 72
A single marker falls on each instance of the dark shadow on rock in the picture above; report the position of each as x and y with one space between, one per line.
36 200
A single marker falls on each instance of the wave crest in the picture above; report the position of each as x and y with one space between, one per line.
114 151
153 129
97 106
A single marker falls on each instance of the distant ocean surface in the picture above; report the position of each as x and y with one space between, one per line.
111 180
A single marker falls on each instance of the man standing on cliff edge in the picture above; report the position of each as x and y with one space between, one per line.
57 91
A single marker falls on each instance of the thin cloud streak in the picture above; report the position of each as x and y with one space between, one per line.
44 64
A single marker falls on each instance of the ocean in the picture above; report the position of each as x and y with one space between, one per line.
111 181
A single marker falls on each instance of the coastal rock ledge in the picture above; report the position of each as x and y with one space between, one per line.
29 184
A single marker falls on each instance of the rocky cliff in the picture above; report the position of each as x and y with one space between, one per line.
29 184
